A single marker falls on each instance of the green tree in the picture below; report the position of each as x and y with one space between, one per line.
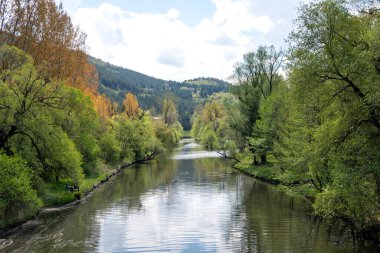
15 189
137 138
82 124
267 129
110 147
335 77
212 124
169 111
29 106
256 78
169 136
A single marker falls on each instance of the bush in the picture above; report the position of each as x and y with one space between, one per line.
15 190
208 137
110 147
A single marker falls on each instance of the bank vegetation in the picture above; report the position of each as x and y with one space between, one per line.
309 118
57 133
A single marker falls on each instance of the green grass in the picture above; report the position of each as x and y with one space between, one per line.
270 174
265 172
54 194
304 190
186 134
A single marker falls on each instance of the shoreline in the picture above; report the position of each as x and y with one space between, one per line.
32 221
371 233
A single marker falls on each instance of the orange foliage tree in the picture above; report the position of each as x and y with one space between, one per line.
44 30
131 105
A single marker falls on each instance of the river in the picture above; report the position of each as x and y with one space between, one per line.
190 201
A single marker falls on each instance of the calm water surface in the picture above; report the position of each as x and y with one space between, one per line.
191 201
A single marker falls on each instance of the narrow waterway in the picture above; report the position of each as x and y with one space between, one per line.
191 201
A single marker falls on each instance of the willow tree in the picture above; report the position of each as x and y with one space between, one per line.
31 118
335 80
256 78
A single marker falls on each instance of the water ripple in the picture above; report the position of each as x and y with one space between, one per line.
195 155
192 203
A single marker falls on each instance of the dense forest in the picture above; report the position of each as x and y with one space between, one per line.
56 131
309 118
115 81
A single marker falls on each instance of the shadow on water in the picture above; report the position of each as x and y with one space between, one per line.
188 201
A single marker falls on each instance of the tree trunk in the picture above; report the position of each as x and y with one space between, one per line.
263 159
255 160
4 137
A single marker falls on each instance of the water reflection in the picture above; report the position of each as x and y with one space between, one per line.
184 205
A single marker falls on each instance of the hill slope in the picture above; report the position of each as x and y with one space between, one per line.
115 81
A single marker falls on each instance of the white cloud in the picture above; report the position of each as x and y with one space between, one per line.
70 5
235 16
172 57
161 45
173 14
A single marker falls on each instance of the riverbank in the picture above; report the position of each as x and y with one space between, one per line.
57 199
304 189
165 201
186 134
267 173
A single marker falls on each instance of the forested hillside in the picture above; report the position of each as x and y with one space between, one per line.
115 81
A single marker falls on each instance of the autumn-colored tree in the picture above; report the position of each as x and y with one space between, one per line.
81 74
45 31
51 114
104 107
131 105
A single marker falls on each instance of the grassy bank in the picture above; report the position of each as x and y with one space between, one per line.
54 194
293 185
304 189
186 134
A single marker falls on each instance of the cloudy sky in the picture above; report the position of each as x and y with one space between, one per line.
181 39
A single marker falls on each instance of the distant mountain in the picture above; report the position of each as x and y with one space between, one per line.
207 81
115 81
